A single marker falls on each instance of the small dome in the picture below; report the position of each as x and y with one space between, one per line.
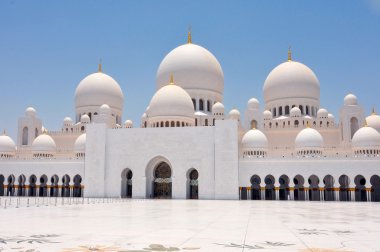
373 121
295 112
234 114
171 101
7 146
366 138
267 115
67 121
31 112
322 113
80 144
331 116
309 138
143 116
218 108
291 79
350 100
194 68
105 110
254 139
253 103
128 124
85 119
44 144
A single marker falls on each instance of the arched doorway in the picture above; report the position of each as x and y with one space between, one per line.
43 186
193 184
255 187
65 192
126 183
314 194
329 195
270 193
11 185
32 186
162 185
21 185
2 184
54 186
344 193
77 190
375 189
284 187
360 189
299 190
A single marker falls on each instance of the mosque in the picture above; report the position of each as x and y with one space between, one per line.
188 147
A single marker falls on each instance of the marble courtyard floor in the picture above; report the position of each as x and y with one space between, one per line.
188 225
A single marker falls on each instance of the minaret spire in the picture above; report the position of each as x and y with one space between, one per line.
100 66
289 54
189 40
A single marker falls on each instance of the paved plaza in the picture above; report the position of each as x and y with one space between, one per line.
187 225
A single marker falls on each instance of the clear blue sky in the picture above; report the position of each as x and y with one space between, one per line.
47 47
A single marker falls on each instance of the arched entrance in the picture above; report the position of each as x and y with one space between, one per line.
360 189
269 188
375 189
77 189
2 184
43 186
284 187
54 186
193 184
11 185
314 194
255 187
344 193
299 190
162 185
32 186
329 195
65 191
21 185
126 183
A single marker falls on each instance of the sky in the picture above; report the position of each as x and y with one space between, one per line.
48 47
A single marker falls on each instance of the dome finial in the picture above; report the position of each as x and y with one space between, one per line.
290 53
100 66
365 123
373 110
253 124
189 40
307 124
4 132
44 132
171 81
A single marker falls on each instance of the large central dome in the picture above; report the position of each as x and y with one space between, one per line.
197 71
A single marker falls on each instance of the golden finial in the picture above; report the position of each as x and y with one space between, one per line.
365 123
100 66
373 110
289 54
4 132
171 81
189 40
307 124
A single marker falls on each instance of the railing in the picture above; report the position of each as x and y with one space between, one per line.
20 202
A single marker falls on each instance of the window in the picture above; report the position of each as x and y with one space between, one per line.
195 105
208 105
201 105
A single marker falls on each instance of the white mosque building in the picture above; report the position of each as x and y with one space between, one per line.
187 147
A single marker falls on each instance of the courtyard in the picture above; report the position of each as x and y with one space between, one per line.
186 225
